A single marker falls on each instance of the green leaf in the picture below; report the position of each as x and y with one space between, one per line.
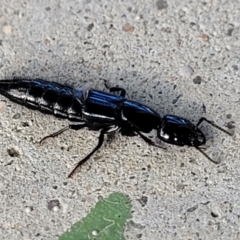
105 221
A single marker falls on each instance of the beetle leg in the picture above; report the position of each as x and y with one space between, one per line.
201 151
104 131
117 89
71 126
150 142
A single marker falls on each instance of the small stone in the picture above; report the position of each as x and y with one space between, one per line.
7 29
128 27
47 41
161 4
28 209
143 201
90 27
230 125
13 152
235 67
230 30
205 37
214 214
56 208
192 209
17 116
54 205
197 80
186 71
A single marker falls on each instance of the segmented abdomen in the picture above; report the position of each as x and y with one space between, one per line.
48 97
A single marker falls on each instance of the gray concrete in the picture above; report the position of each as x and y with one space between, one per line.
159 52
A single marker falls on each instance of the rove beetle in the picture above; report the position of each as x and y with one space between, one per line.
104 112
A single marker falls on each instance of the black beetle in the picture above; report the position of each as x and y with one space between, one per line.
104 112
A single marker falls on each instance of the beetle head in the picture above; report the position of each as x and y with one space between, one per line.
180 131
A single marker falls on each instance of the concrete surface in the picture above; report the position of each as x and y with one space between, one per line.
178 57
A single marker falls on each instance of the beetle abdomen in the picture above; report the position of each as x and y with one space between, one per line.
48 97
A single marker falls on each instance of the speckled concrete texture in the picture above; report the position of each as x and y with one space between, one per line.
178 57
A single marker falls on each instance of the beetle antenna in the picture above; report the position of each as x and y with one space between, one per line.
213 124
201 151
